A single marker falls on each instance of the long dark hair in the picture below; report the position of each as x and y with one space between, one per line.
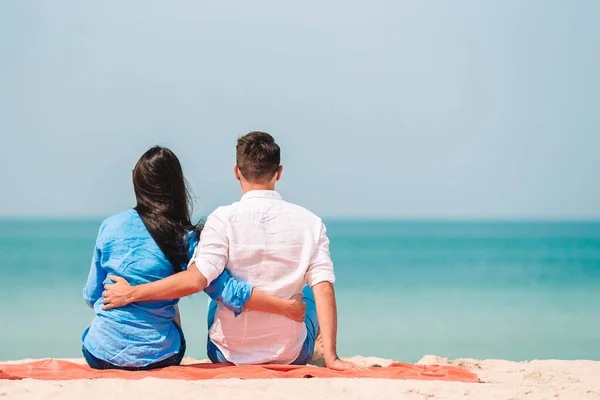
164 203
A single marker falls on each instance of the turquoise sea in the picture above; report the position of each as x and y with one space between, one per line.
512 290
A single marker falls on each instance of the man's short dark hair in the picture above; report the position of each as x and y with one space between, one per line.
258 156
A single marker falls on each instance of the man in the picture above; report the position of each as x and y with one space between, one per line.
274 245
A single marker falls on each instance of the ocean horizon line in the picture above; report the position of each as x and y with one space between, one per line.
342 218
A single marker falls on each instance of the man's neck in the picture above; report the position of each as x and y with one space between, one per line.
248 187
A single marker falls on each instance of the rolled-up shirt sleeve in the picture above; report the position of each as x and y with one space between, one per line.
320 268
212 252
232 293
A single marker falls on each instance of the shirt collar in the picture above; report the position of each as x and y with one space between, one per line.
261 194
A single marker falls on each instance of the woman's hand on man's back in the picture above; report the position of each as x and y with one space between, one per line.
296 308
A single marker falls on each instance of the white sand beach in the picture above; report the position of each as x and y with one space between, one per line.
533 380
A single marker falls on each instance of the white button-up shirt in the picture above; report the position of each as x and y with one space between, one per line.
276 246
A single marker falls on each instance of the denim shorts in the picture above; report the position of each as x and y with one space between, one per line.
310 320
175 359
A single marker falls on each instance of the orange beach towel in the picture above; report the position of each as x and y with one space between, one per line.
64 370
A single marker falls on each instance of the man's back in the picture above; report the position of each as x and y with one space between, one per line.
278 247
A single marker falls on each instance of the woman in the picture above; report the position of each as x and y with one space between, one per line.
144 244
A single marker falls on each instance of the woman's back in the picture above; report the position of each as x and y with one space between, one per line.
140 333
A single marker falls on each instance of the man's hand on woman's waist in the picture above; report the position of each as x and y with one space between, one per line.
119 294
175 286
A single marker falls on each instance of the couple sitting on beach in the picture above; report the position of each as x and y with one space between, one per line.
254 258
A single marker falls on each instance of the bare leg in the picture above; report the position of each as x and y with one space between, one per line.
318 359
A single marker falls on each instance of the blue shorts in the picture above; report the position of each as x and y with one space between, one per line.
308 348
175 359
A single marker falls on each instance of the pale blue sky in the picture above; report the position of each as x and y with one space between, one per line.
405 109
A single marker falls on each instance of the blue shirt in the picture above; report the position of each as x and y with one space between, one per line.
140 333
